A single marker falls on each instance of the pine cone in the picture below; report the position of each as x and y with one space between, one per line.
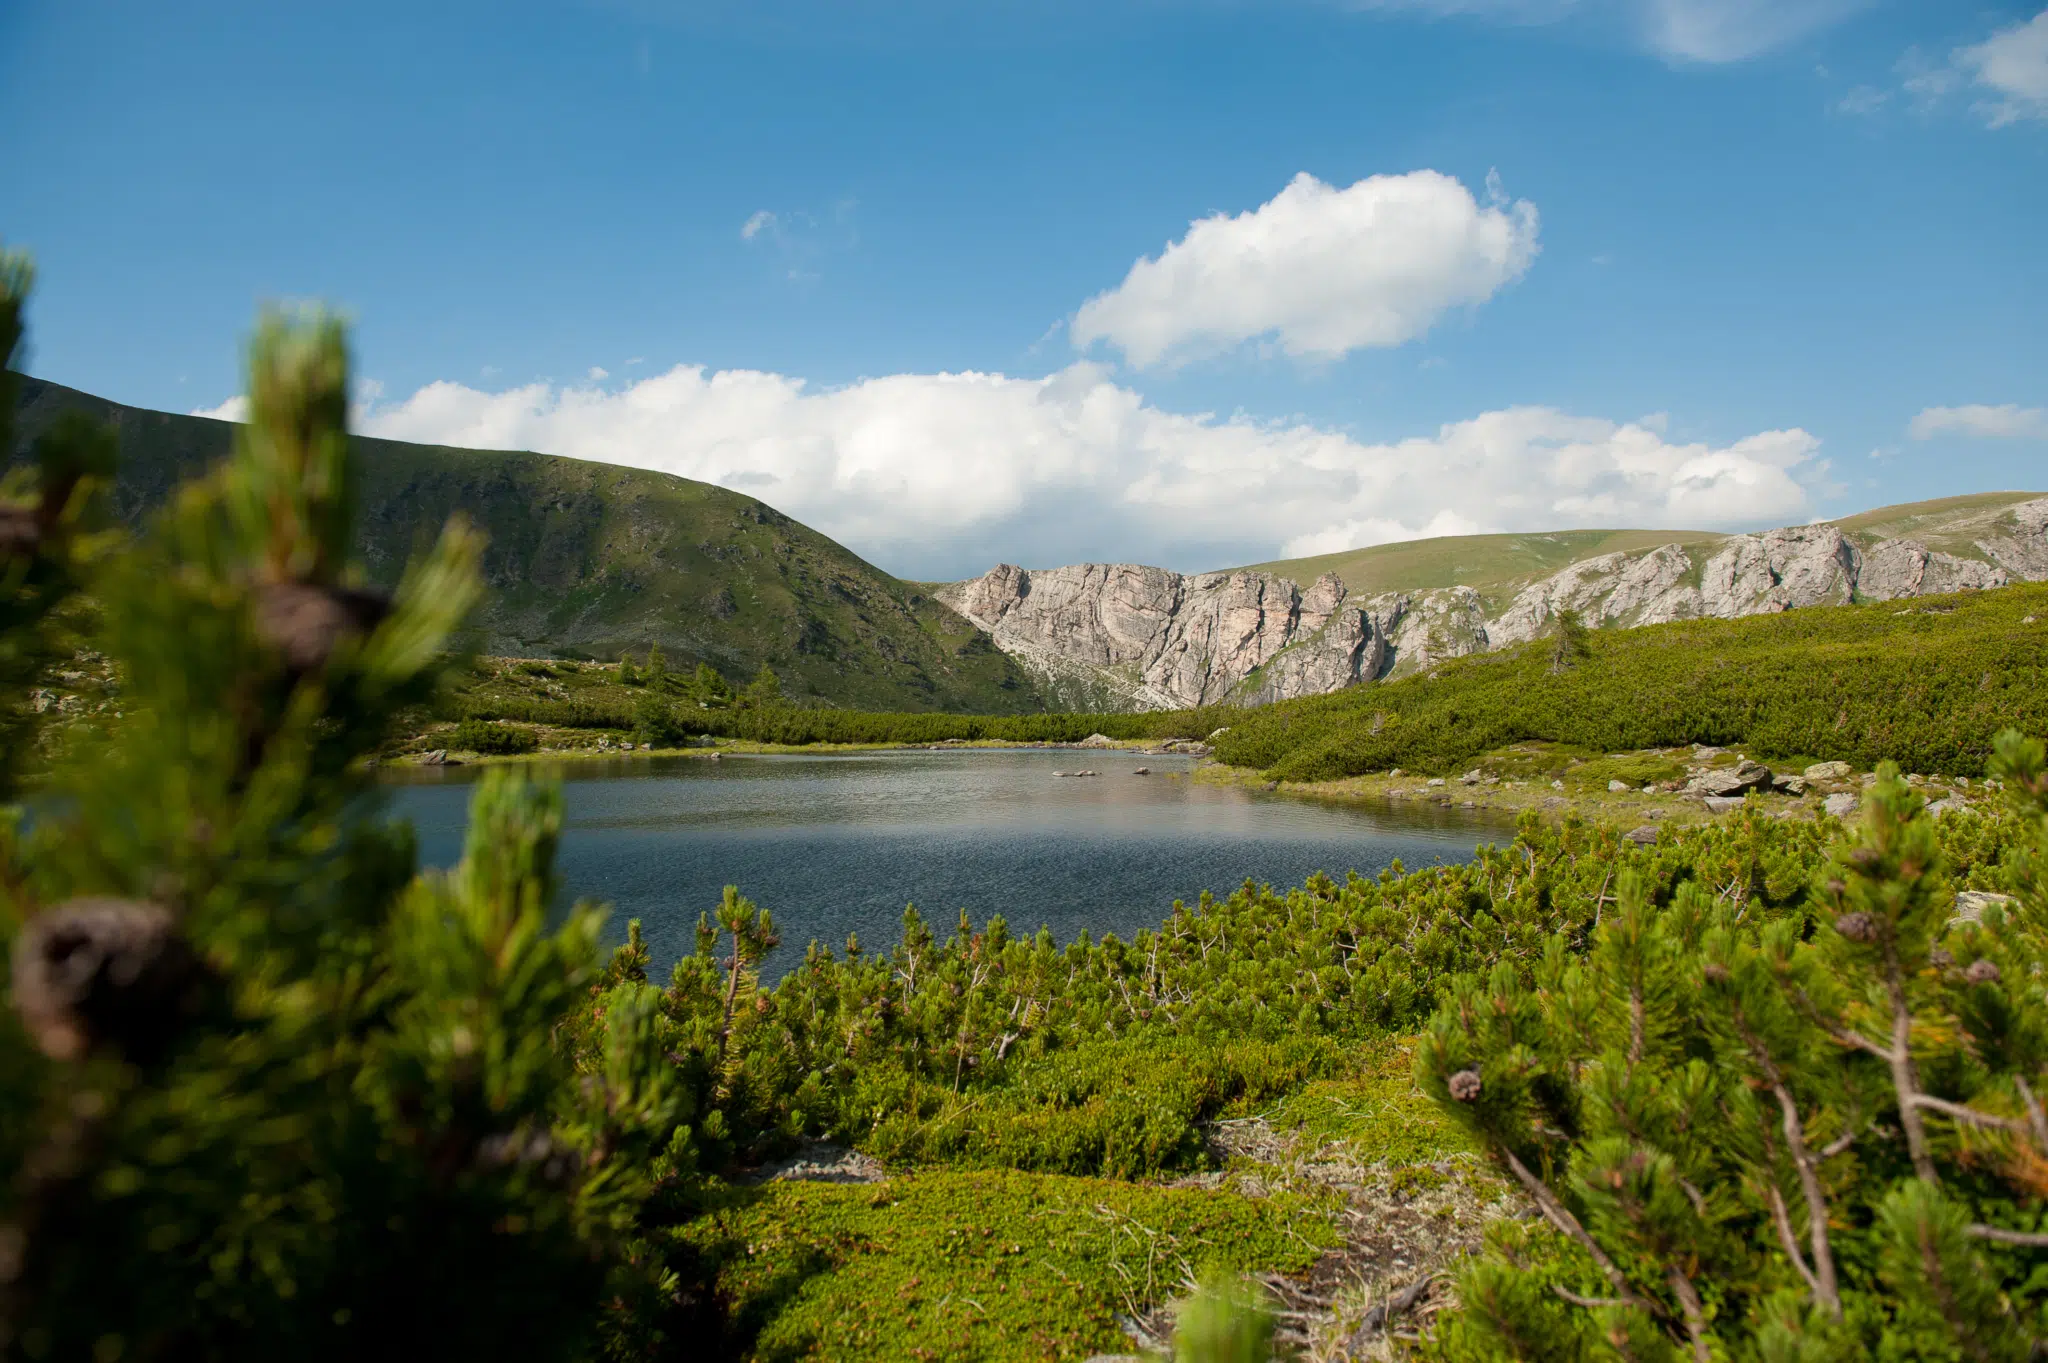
19 533
90 971
305 622
1857 927
1465 1085
1982 972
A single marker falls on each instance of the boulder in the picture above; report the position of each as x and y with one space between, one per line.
1723 804
1828 771
1097 741
1737 780
1843 805
1142 771
1789 785
437 758
1642 836
1617 786
1970 905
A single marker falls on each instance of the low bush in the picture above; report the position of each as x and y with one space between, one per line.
1926 684
492 740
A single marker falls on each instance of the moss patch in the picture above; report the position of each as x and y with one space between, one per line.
989 1265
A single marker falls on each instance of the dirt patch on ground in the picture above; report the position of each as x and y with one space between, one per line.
1405 1228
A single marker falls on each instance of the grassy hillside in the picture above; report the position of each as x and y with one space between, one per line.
1497 565
592 559
1927 684
1950 524
1490 563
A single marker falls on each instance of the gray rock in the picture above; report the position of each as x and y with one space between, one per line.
1828 771
1097 741
1843 805
1723 804
1948 804
437 758
1642 836
1789 785
1618 786
1737 780
1899 568
1142 771
823 1162
1970 905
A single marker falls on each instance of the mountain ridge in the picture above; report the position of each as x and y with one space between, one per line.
589 558
1158 639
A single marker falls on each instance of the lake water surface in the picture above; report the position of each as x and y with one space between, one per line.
838 844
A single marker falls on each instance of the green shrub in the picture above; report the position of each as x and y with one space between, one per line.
1753 1126
265 1091
492 740
1925 685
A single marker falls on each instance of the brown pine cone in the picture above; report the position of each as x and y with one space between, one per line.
306 622
113 971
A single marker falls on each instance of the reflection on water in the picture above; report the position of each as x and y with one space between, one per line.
839 844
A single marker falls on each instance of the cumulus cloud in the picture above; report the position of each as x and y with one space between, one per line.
2011 66
942 475
1680 30
234 409
2008 422
1321 270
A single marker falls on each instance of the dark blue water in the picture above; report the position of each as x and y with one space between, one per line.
840 844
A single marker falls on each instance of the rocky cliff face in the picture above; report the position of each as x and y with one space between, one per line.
1119 636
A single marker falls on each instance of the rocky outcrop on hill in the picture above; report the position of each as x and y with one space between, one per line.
1158 639
1116 636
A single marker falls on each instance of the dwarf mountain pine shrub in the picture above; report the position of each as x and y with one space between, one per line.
265 1090
1794 1131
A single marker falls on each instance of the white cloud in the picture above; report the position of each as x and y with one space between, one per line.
1322 270
1711 31
1862 101
1734 30
942 475
762 221
599 374
234 409
2012 65
2008 422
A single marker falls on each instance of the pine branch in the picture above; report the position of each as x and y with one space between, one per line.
1561 1217
1594 1303
1695 1314
1967 1115
1999 1235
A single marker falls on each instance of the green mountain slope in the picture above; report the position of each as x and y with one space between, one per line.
1486 562
593 558
1498 565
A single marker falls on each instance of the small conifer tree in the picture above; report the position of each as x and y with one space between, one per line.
264 1090
1811 1134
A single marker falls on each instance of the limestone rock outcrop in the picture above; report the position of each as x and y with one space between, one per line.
1121 636
1159 639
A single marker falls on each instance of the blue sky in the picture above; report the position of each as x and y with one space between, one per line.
1739 262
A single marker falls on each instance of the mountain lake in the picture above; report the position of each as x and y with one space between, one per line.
837 844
